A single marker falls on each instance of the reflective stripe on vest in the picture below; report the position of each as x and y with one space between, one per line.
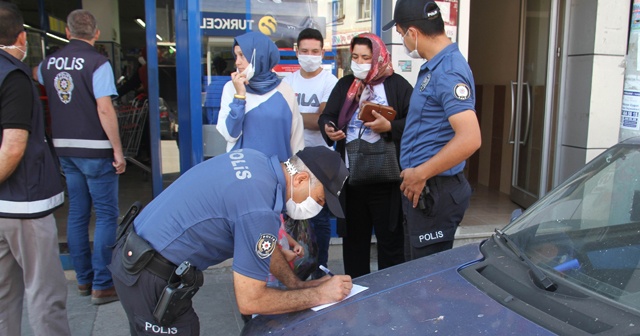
33 207
77 143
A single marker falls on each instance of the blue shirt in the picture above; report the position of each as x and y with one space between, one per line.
228 206
445 87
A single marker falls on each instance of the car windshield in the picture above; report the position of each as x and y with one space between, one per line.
587 231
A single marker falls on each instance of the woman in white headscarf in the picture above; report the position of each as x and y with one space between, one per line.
257 110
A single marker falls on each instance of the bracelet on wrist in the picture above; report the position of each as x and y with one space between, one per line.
239 96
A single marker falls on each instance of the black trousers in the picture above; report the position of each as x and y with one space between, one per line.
431 230
367 209
139 295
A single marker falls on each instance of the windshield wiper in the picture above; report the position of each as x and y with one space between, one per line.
538 275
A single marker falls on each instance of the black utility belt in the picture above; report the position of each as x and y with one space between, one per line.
457 176
161 266
137 255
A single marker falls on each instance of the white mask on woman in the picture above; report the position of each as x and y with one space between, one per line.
360 71
309 63
250 70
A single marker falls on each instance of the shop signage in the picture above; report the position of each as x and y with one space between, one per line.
275 26
344 39
225 24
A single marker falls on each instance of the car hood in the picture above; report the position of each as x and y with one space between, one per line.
423 296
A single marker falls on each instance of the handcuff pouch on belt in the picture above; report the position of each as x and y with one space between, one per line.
136 253
176 296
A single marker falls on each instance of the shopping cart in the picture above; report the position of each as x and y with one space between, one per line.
131 122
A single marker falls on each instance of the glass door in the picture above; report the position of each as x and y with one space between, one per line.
532 100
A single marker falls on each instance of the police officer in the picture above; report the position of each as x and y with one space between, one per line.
441 131
79 83
30 190
228 206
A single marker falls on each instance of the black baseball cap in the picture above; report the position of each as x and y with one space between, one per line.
413 10
327 166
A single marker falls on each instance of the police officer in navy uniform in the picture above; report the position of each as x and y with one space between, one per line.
80 84
30 190
227 207
441 132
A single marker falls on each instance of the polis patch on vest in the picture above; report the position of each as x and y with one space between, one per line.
462 91
63 82
266 245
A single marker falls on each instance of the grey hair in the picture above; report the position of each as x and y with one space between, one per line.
82 24
301 167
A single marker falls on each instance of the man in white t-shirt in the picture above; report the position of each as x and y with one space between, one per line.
313 85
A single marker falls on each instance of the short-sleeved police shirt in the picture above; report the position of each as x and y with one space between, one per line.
228 206
445 87
16 101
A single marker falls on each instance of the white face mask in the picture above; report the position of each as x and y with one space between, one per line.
142 61
250 70
360 71
309 63
414 53
309 208
24 52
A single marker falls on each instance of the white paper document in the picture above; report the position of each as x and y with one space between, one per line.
355 290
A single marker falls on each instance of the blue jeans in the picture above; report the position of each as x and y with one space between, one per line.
322 228
91 181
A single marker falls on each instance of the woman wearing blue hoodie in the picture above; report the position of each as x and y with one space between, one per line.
257 110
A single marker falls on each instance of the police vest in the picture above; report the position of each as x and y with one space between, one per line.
68 77
35 188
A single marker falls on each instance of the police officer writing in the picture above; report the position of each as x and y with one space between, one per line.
228 206
441 131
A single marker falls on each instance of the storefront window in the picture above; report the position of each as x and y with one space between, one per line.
282 20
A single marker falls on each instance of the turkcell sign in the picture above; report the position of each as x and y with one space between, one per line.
225 24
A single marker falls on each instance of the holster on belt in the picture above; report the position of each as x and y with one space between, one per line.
176 297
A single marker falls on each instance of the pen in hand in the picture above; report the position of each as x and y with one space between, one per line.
326 270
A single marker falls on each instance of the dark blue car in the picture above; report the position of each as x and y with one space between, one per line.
569 265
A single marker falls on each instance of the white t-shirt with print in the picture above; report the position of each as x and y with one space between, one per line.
310 93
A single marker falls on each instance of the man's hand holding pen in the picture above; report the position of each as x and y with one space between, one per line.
335 289
332 288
